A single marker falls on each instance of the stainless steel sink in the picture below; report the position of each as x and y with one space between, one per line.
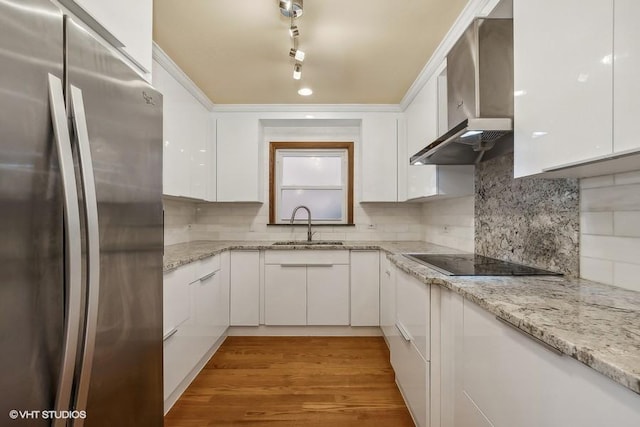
312 243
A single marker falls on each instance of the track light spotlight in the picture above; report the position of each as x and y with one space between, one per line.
297 72
297 54
291 8
294 32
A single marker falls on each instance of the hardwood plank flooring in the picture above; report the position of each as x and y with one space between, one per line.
294 381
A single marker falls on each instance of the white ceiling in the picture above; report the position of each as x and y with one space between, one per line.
358 51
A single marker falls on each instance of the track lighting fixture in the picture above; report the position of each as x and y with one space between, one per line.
297 54
291 8
297 71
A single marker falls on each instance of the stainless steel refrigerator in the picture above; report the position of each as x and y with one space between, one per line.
81 229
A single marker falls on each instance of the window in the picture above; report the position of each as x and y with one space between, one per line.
318 175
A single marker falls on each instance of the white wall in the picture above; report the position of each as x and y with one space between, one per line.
450 222
178 217
248 221
610 229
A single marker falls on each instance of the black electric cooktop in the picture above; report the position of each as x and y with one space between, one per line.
475 265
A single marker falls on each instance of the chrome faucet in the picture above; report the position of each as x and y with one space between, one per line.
293 215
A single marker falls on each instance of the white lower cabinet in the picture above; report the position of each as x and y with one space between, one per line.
410 348
365 288
196 316
175 297
328 295
285 295
412 377
245 288
387 297
513 380
306 288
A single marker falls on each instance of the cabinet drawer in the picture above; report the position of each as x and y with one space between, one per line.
206 266
307 257
175 297
412 373
413 311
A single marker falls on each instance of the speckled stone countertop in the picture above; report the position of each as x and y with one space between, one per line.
597 324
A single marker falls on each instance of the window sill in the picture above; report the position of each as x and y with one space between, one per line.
312 224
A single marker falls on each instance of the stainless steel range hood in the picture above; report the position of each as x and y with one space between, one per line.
479 96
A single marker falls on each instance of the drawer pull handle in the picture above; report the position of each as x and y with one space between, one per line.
528 335
203 278
403 331
306 265
169 334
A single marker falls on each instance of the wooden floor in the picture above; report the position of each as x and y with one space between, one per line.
294 381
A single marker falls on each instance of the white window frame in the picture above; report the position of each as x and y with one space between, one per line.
312 152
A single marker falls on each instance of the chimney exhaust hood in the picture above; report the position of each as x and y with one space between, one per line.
479 96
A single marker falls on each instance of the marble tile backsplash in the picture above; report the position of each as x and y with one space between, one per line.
527 220
610 229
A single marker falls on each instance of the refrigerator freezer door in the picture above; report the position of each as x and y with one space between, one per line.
124 125
31 215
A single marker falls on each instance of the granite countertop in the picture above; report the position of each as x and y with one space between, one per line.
597 324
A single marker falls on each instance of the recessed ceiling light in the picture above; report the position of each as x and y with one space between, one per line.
297 71
305 91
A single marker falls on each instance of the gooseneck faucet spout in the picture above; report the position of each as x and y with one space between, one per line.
293 215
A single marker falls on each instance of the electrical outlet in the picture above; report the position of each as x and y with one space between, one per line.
445 229
371 226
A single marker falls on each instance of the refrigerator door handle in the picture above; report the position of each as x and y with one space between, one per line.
93 249
72 256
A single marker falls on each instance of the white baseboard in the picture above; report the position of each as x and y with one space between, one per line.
173 397
305 331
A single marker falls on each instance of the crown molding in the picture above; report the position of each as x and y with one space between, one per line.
473 9
307 108
165 61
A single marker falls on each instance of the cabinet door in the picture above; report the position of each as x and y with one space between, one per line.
175 297
285 295
515 381
186 129
413 311
626 85
387 296
221 317
379 154
412 377
244 280
328 295
239 161
365 288
563 77
129 21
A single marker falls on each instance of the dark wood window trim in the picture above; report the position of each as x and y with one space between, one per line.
311 145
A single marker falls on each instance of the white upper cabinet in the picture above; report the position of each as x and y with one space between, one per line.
239 159
379 158
626 84
426 119
186 139
130 22
563 73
